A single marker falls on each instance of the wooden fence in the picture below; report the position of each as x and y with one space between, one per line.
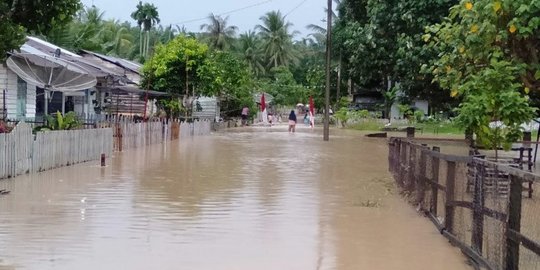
16 151
128 134
21 152
480 206
55 149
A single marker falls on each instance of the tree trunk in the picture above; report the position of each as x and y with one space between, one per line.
140 41
147 43
349 87
338 81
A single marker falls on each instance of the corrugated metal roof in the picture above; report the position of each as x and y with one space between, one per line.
132 66
35 45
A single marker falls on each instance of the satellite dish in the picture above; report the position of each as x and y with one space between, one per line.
51 73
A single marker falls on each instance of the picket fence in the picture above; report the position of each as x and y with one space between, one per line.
21 152
130 135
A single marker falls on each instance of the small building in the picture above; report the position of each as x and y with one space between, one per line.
206 108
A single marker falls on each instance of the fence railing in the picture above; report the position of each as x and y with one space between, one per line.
482 207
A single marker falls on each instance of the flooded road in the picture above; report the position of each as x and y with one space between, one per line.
247 199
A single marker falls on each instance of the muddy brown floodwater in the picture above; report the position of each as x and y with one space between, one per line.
247 199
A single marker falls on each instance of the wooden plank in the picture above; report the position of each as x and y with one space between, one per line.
525 241
468 251
435 162
514 223
477 235
450 194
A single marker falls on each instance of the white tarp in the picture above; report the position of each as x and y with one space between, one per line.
51 73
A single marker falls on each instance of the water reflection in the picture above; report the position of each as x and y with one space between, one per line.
237 200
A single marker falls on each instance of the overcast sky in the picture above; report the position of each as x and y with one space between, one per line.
244 14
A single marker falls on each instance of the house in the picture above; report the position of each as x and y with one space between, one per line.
368 99
18 97
373 100
88 84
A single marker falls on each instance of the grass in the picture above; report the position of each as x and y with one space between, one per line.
427 127
367 124
441 127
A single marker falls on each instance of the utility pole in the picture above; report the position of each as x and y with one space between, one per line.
326 133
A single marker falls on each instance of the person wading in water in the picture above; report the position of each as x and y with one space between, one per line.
292 121
245 113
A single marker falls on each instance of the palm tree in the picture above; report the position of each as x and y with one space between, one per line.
116 39
277 41
146 16
84 33
249 50
318 36
218 32
151 18
139 17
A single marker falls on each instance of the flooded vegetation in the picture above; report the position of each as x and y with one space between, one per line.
248 199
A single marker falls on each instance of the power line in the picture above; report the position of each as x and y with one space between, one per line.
295 8
227 12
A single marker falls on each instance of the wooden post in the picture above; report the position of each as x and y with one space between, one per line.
478 207
410 132
514 223
421 187
434 189
469 138
411 179
450 188
119 136
527 136
102 160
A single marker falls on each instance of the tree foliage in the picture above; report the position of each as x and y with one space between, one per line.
381 44
486 57
219 34
19 17
173 68
276 40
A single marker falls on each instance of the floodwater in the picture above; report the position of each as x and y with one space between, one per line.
246 199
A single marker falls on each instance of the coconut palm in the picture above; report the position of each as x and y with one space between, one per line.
248 48
217 31
116 39
317 38
85 33
276 40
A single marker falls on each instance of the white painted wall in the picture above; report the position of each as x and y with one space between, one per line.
420 104
8 82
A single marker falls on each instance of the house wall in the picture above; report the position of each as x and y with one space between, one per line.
422 105
8 82
210 109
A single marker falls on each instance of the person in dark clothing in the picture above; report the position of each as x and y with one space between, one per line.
292 121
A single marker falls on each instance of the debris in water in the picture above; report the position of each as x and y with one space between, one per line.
4 192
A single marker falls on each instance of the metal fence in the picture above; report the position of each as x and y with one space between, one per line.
489 210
